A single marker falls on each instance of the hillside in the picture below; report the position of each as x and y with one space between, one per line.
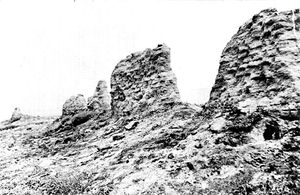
140 138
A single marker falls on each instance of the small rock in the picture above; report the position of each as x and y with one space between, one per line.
218 124
170 156
17 115
199 146
118 137
131 125
190 166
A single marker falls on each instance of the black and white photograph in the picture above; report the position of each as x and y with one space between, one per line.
150 97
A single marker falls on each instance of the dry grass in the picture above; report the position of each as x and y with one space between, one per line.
72 182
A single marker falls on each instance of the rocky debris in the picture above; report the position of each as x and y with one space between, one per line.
8 127
100 101
17 115
74 105
143 81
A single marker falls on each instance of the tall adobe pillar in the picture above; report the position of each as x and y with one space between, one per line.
100 101
143 81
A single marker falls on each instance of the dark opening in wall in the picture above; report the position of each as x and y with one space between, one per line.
272 131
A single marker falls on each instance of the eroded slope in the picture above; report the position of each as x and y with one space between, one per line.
245 140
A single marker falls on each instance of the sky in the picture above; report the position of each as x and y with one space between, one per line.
53 49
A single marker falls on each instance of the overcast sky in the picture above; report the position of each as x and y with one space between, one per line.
51 50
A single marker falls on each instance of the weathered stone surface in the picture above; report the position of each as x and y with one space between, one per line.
259 67
142 81
100 101
74 105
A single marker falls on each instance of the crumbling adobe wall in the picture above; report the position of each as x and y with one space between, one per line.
143 81
260 66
